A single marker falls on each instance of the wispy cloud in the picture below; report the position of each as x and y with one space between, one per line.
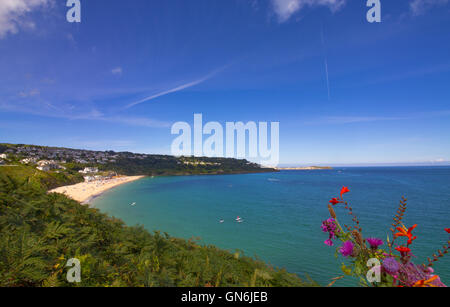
41 107
13 14
31 93
96 115
175 89
342 120
129 121
418 7
286 8
116 71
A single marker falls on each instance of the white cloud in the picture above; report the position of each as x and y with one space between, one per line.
440 160
32 93
286 8
116 71
418 7
13 14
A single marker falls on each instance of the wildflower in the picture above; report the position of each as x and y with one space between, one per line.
374 242
403 250
390 265
358 237
426 283
347 248
329 226
334 201
418 276
404 232
344 190
332 213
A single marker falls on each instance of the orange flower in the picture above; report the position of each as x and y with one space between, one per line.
344 190
447 230
334 201
403 249
426 283
404 232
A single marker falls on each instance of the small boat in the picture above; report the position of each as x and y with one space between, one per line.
238 219
133 204
222 221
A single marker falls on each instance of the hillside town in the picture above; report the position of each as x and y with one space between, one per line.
89 164
32 154
53 159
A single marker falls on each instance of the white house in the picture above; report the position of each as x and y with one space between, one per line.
47 165
89 170
28 161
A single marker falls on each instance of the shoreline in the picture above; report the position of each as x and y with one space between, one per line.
305 168
85 192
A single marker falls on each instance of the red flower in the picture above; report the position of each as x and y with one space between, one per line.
403 232
403 250
447 230
344 190
335 201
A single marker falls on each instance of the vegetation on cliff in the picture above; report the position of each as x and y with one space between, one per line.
39 232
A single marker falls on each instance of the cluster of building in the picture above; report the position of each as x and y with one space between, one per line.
89 170
98 177
197 163
33 154
49 165
2 159
37 153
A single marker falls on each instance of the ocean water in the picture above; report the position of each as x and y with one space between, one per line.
283 211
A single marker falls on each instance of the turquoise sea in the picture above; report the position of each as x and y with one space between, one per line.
283 211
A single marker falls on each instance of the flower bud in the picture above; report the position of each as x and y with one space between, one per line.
332 213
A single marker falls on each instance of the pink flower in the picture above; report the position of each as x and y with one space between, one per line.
329 242
374 242
347 248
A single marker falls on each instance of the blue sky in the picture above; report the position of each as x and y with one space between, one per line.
344 91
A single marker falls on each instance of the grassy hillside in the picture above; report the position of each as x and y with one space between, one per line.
168 165
39 232
128 163
39 179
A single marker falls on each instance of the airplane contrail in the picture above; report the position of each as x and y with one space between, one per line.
328 80
176 89
326 64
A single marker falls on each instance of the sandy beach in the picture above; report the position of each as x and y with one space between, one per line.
85 191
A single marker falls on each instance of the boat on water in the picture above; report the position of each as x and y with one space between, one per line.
222 221
133 204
